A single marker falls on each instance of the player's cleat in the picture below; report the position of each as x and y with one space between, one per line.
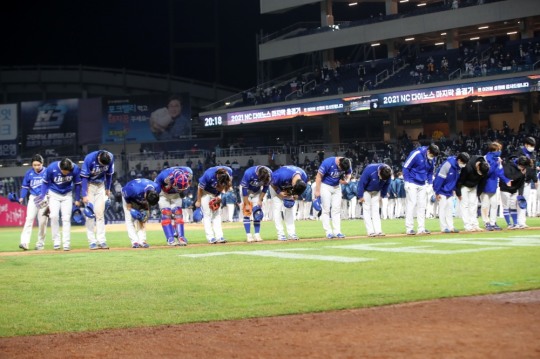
281 237
446 230
56 247
293 237
330 236
425 231
67 249
381 234
24 247
222 240
512 226
103 246
489 227
181 242
145 245
411 232
39 247
135 245
258 237
250 238
171 241
212 241
340 235
93 246
372 235
496 227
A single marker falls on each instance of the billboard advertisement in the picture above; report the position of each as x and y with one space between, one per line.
11 214
8 131
50 127
146 118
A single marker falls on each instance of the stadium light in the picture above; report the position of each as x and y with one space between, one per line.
409 39
353 3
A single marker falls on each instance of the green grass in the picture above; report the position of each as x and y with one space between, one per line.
57 292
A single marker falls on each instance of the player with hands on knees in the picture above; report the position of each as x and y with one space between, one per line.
214 181
31 185
138 197
373 185
288 182
174 183
96 176
254 186
61 182
332 173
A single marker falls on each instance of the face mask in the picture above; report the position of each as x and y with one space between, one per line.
430 157
496 154
461 165
529 148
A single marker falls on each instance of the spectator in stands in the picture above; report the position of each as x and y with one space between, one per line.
418 172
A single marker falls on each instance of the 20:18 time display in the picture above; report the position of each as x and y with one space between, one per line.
213 121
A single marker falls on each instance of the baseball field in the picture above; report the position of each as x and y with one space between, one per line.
455 295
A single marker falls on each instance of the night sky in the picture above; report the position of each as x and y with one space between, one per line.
135 35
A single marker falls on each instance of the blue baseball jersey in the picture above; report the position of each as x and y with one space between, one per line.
447 177
164 178
32 182
94 172
418 168
250 181
370 181
134 191
330 172
208 180
495 173
282 177
54 180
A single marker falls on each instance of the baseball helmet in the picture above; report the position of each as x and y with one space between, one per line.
258 214
317 204
180 179
197 215
433 199
521 202
76 215
12 197
89 210
288 202
107 204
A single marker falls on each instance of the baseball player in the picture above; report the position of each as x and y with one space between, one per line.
516 170
138 196
96 175
474 173
417 173
60 180
32 184
373 185
444 185
333 172
489 201
527 150
214 181
288 182
254 186
174 182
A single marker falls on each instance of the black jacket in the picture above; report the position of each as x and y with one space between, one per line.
469 177
513 173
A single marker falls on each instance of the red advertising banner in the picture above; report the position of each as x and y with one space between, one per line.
11 214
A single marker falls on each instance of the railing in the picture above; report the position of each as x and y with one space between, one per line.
381 76
451 74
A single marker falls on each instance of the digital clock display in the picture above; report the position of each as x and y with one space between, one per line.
213 121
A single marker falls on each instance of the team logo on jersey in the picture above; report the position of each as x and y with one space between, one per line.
50 117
